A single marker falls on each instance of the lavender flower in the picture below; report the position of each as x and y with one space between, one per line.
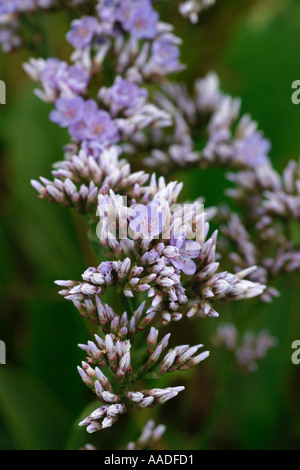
76 78
139 18
68 111
85 121
162 281
124 96
165 54
142 264
99 126
147 221
82 31
53 70
159 273
185 250
253 150
125 10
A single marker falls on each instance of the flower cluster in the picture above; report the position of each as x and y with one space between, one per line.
161 269
230 140
247 350
102 417
261 233
143 50
179 277
264 233
114 353
137 18
162 261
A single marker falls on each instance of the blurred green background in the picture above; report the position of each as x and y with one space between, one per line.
254 45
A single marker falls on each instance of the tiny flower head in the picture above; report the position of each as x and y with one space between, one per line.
67 111
126 95
76 78
101 127
82 31
253 149
165 53
138 18
185 251
54 70
148 221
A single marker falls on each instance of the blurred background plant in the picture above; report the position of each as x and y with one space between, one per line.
254 46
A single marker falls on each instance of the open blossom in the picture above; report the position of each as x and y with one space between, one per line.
99 126
143 22
76 78
165 53
84 120
67 111
125 95
148 221
106 10
253 149
184 251
124 12
57 77
139 18
82 31
79 128
52 72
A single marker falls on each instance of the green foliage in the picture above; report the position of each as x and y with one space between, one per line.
32 415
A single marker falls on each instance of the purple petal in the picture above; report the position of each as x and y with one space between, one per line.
178 240
191 249
185 264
